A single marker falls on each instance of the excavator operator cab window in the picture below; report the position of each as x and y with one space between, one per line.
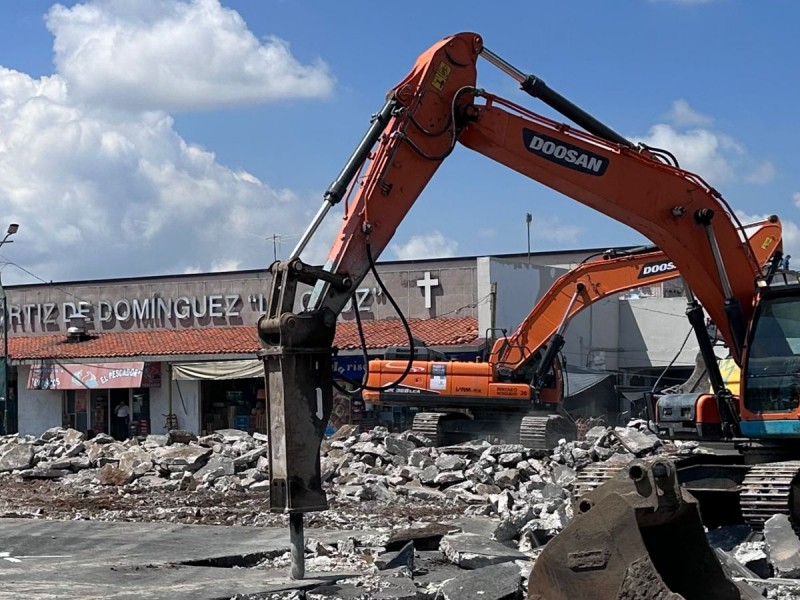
772 373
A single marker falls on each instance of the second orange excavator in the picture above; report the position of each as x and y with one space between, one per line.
517 395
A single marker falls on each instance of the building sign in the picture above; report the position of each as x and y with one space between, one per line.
123 310
49 375
173 305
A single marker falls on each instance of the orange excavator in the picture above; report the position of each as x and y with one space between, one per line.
617 545
516 396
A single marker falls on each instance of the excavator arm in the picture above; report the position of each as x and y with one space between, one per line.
438 105
594 280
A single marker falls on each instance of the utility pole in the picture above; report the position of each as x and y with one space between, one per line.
12 229
4 364
528 219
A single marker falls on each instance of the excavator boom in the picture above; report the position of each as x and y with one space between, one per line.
438 105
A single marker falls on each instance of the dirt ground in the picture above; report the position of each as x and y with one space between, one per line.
52 499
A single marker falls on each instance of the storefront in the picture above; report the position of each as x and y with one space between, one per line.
232 393
109 397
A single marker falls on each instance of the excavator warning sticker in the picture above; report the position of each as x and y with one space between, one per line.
564 154
441 75
767 242
438 377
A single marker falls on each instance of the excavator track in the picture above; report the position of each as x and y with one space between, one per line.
766 491
542 432
427 424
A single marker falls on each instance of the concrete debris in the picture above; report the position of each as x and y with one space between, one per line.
782 547
473 551
481 512
495 582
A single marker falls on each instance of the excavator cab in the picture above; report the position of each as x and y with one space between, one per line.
771 383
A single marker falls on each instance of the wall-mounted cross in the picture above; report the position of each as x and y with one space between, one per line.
427 283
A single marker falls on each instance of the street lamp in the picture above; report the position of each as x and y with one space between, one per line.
12 229
528 219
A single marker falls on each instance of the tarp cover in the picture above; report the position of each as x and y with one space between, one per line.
222 369
579 379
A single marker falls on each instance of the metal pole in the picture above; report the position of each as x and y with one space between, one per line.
4 385
297 545
12 229
528 219
169 397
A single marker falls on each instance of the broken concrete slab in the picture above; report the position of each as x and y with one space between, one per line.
495 582
148 561
400 558
388 586
425 537
472 551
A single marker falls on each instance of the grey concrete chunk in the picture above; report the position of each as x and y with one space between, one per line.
424 537
217 466
472 551
155 440
398 446
637 442
499 449
753 556
248 458
734 568
180 455
18 456
180 436
389 587
495 582
450 463
398 558
782 546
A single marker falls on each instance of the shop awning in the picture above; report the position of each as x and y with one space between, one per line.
222 369
51 375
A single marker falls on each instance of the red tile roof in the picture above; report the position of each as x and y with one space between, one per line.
232 340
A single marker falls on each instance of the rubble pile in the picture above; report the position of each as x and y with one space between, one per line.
460 521
224 461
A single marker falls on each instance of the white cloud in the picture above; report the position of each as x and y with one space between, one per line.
683 115
762 173
180 55
796 199
101 192
715 156
427 245
551 228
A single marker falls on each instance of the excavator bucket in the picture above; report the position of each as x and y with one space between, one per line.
637 537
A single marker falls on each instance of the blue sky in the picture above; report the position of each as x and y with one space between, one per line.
153 137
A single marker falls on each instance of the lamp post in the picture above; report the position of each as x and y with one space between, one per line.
528 219
12 229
